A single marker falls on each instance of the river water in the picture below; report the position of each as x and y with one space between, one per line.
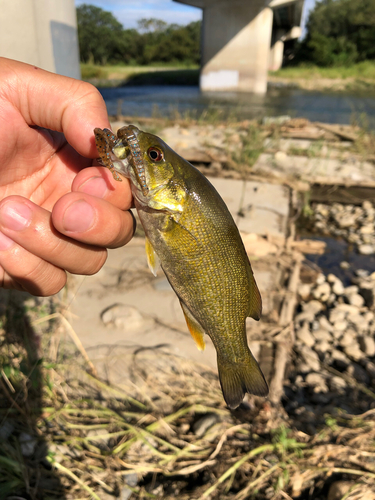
165 100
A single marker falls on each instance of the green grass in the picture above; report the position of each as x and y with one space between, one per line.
365 69
122 72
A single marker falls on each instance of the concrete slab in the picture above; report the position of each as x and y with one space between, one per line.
256 207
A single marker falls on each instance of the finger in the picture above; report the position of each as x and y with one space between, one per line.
55 102
93 221
35 275
30 226
99 182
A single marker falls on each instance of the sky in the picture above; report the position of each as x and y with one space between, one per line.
129 12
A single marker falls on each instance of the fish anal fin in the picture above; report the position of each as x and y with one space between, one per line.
152 258
195 329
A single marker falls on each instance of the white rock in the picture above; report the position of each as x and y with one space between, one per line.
348 338
338 287
354 351
368 229
314 306
367 345
317 380
340 326
304 335
366 249
320 279
351 289
336 315
367 205
322 335
355 299
337 383
344 265
322 292
340 358
359 321
304 290
325 324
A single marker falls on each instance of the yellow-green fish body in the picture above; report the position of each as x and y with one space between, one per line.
191 231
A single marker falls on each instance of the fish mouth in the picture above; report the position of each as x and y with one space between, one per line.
128 145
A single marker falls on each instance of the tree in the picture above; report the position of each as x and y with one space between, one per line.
340 32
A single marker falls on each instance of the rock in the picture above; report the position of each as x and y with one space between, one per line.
353 351
359 322
314 306
344 265
325 324
27 443
322 335
345 220
6 430
367 290
336 315
320 279
304 335
338 287
351 289
322 292
337 384
281 158
204 423
126 318
304 290
323 348
370 368
340 326
367 229
362 273
130 480
331 278
369 316
347 308
339 490
367 205
367 344
340 359
356 300
310 357
356 371
366 249
317 381
348 338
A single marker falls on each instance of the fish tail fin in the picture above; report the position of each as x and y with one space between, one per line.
238 378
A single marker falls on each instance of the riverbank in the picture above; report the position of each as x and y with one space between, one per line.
359 77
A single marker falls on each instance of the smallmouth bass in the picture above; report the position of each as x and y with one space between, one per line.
191 232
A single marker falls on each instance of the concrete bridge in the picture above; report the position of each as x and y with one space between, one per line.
242 39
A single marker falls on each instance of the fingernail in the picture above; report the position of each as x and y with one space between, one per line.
15 215
5 242
96 186
78 217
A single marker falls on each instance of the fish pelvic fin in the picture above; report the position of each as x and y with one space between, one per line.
152 258
255 309
195 329
238 378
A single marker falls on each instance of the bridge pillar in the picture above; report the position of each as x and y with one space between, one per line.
236 40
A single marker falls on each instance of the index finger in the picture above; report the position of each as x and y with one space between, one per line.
55 102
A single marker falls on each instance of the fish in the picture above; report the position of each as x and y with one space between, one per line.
191 234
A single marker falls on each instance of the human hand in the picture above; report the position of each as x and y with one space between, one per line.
55 214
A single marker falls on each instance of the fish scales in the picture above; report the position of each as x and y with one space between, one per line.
192 232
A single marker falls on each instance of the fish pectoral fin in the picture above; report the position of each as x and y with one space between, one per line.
195 328
255 306
152 258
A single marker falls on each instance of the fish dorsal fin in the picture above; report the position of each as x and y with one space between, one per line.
152 258
195 328
255 306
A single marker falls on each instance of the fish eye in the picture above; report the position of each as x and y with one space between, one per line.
155 154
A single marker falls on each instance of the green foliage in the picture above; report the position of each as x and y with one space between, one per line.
340 32
102 40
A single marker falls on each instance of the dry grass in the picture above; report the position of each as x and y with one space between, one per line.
91 439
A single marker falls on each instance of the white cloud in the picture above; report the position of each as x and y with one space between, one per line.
129 12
